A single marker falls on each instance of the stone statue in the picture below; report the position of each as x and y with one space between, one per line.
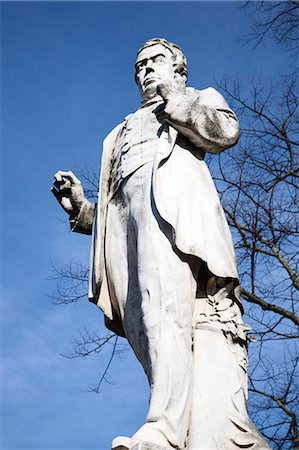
162 266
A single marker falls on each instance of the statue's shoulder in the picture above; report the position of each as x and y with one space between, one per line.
208 96
112 136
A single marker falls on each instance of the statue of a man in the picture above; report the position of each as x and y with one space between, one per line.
162 266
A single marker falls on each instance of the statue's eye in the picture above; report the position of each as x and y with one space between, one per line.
140 65
160 59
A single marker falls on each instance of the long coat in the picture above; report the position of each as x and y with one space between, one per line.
183 190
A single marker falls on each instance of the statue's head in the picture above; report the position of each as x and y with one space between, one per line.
159 62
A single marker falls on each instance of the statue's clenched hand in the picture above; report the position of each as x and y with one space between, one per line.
68 191
171 89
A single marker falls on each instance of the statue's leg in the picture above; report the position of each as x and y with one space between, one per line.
167 292
219 418
157 317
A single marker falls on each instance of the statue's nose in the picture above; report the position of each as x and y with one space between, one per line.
148 70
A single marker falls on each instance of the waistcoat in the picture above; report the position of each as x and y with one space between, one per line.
136 145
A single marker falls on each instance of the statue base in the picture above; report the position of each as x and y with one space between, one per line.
219 418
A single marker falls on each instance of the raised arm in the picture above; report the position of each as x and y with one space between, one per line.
202 116
69 192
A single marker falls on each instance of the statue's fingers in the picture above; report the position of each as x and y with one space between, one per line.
69 176
62 186
64 201
56 193
162 90
67 184
166 91
57 184
66 204
58 177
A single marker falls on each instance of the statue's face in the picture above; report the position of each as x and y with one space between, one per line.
154 66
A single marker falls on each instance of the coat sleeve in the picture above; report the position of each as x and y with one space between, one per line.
205 118
82 223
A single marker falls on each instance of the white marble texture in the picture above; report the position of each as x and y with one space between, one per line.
163 268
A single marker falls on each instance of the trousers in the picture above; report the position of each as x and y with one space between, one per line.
153 289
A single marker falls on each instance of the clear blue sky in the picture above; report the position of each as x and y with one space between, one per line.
67 80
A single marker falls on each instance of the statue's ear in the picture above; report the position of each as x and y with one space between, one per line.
181 78
179 73
184 77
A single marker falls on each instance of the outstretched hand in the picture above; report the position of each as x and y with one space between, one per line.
69 192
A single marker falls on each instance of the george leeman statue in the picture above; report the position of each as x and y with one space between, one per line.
163 268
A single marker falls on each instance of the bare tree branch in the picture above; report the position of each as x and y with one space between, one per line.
277 20
258 184
252 298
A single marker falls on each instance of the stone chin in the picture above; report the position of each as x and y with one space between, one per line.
149 89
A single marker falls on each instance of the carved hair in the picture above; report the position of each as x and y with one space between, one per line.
177 54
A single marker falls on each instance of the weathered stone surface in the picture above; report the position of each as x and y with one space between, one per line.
163 267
